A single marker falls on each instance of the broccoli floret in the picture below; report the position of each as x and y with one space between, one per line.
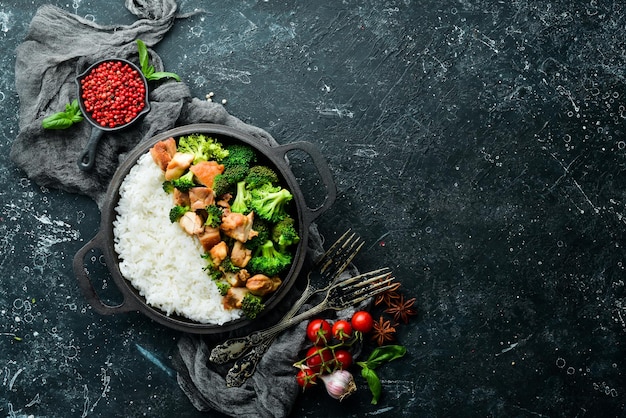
270 203
225 182
177 212
239 155
184 182
168 187
230 241
222 287
221 185
213 272
214 216
260 175
284 233
263 228
242 197
202 147
235 174
227 266
268 260
251 305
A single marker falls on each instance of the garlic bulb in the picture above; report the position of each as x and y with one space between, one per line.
339 384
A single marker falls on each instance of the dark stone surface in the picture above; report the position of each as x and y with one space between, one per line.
479 148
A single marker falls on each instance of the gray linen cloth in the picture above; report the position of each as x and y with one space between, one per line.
59 45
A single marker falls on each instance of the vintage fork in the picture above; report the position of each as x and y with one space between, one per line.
332 264
339 296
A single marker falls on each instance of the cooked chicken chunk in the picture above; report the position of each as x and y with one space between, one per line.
209 238
181 198
163 151
201 197
205 172
240 255
238 226
261 285
237 279
218 253
191 223
233 298
179 163
223 202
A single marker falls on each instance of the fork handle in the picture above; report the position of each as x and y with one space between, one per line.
235 347
245 366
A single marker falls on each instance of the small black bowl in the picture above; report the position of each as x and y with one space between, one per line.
87 157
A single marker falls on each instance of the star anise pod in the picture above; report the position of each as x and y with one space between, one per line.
402 309
388 296
383 331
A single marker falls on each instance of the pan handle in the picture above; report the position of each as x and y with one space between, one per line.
86 286
88 156
310 214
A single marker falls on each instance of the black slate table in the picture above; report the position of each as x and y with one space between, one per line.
478 147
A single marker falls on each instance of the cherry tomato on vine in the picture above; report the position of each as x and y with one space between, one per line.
342 330
362 321
306 378
318 358
319 331
343 358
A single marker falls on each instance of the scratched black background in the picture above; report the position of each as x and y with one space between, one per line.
479 148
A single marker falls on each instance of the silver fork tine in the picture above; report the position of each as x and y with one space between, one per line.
327 257
366 285
340 254
370 293
343 259
358 293
359 279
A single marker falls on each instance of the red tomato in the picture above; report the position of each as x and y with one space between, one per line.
342 330
319 331
362 321
318 359
306 378
343 358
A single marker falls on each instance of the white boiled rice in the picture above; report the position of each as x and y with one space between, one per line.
160 260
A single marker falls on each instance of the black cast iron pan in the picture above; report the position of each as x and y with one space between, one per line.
104 239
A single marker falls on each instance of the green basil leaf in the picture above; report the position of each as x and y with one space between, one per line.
147 69
144 60
160 75
373 382
384 354
63 120
74 106
57 121
77 118
74 112
148 72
